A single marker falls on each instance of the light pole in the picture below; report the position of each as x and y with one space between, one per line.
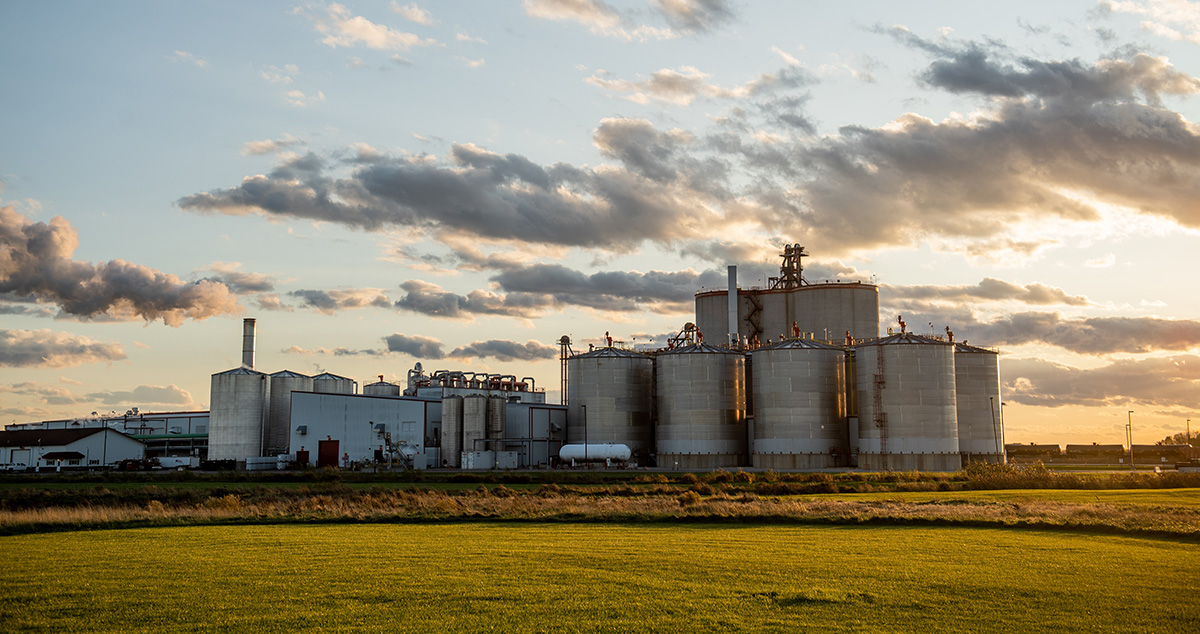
1129 437
1189 439
586 464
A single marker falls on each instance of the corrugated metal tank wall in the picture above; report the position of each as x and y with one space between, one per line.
799 392
381 388
283 383
822 309
326 383
237 414
701 408
452 425
616 386
977 387
497 417
474 422
907 409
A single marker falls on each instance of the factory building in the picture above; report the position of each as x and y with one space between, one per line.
163 434
69 449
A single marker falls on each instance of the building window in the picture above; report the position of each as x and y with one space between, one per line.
408 425
93 462
73 461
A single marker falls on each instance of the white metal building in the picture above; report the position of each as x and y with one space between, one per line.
83 448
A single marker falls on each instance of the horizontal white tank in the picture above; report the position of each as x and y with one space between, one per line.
595 453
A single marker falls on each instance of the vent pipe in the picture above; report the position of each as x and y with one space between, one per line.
733 305
248 343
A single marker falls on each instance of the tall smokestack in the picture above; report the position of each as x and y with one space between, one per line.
733 305
248 343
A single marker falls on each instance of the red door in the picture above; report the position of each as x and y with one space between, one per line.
327 453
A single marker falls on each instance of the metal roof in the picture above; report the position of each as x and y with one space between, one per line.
802 344
241 370
962 346
48 437
610 352
288 374
904 338
702 348
326 376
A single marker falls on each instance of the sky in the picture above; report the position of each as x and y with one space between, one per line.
381 183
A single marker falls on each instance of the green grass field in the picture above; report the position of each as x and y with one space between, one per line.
520 577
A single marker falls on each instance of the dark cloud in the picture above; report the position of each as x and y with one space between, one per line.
144 395
1163 382
990 289
329 302
35 260
415 346
430 299
697 16
505 351
661 291
240 282
48 349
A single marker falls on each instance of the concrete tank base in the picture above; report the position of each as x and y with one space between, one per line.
910 462
700 461
788 461
993 458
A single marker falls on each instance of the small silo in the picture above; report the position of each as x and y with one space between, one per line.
497 419
381 388
278 422
474 426
452 425
977 387
326 383
799 393
237 414
701 408
908 416
615 388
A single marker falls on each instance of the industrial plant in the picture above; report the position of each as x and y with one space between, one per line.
792 376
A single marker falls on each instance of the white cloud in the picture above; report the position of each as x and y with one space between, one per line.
188 58
341 29
464 37
784 56
277 75
299 99
598 16
1102 262
269 146
1172 19
413 13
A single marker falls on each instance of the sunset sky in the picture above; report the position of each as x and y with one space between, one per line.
462 183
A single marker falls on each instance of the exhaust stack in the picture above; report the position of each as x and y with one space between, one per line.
248 343
733 305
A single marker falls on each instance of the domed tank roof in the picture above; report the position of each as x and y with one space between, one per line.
701 348
609 352
809 344
288 374
962 346
241 370
326 376
905 338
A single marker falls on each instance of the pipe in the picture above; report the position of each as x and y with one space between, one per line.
733 305
248 343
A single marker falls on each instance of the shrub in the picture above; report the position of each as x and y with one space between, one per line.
689 498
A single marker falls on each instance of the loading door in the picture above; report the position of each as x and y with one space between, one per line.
327 453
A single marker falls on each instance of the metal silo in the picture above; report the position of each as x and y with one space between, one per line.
326 383
615 388
799 394
497 418
280 417
977 387
381 388
474 425
237 414
452 425
701 408
907 410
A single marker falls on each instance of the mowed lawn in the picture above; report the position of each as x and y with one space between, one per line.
528 577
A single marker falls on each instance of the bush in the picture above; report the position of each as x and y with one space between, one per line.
689 498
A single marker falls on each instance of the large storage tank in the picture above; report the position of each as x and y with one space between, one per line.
701 408
452 425
827 311
279 419
977 387
237 414
908 416
616 388
799 393
474 425
326 383
497 419
381 388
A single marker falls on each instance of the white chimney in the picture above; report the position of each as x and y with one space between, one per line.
733 305
248 343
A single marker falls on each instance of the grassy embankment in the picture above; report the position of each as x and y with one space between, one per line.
596 578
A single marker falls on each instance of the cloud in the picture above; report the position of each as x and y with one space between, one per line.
1092 335
48 349
277 75
1163 382
430 299
343 30
48 394
989 289
660 291
270 146
240 282
506 351
696 15
339 351
188 58
145 395
601 18
683 86
1172 19
413 13
329 302
466 37
1102 262
415 346
35 260
301 100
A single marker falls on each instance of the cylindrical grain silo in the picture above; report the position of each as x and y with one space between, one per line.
452 425
381 388
615 389
829 311
701 408
474 425
908 416
237 414
326 383
497 418
799 391
977 388
279 420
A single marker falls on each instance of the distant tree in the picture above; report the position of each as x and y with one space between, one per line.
1178 439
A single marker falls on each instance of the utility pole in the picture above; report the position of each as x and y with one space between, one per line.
1189 439
1129 437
